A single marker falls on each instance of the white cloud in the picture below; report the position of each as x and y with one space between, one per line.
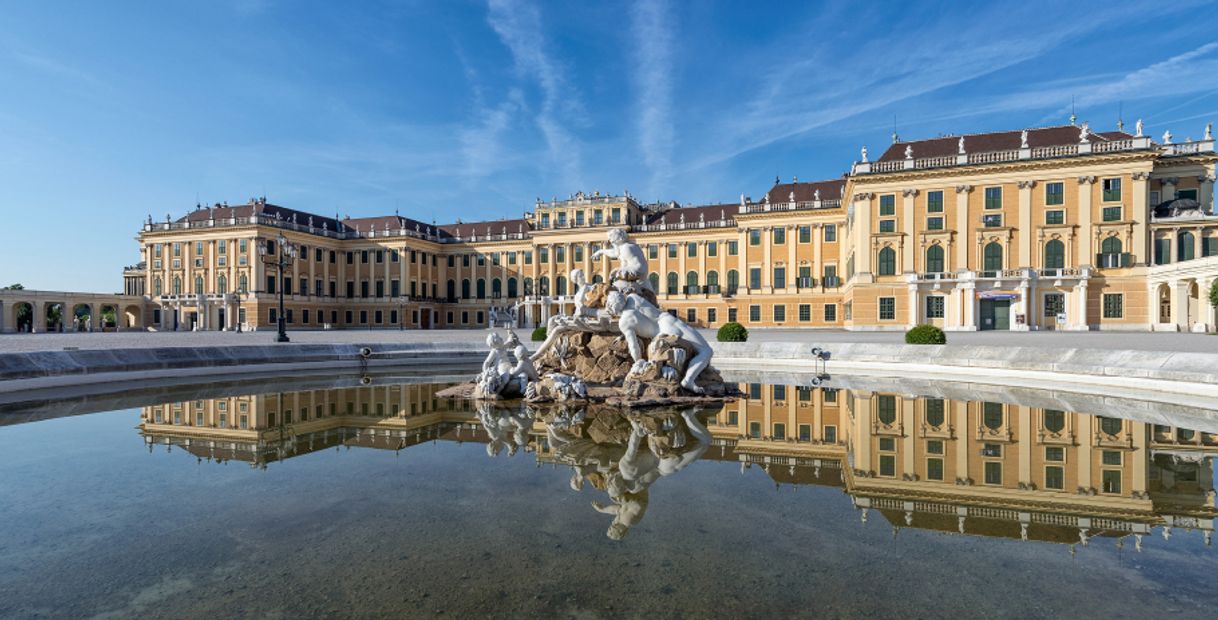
653 60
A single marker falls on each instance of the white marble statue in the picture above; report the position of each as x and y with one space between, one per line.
641 319
1023 139
632 262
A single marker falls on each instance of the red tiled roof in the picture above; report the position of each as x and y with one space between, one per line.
805 192
497 227
995 141
259 208
709 213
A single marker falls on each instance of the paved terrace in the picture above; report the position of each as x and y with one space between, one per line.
1138 341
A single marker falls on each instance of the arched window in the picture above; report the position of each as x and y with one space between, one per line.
1111 245
672 283
654 278
991 415
1110 426
993 257
528 286
156 287
691 279
244 284
543 285
886 409
733 280
512 287
198 285
712 278
1184 246
465 289
481 288
496 288
934 259
934 412
887 262
1055 420
452 289
177 285
560 285
222 285
1055 254
598 279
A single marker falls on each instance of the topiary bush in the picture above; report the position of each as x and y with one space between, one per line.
925 334
539 334
733 332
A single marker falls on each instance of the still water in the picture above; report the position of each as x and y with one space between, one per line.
864 499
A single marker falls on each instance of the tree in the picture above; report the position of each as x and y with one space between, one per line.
1214 293
14 287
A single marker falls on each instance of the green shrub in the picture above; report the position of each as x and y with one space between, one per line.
1214 293
539 334
925 334
733 332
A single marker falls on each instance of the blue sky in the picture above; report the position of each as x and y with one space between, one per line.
110 111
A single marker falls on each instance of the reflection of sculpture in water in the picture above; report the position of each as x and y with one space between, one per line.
507 428
624 455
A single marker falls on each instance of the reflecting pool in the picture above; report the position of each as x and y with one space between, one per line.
857 497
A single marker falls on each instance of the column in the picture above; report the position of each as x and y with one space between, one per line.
1080 291
1024 444
792 262
1205 194
914 310
1141 458
862 233
962 438
702 245
664 270
1085 450
742 255
1140 216
1169 188
683 264
818 234
1086 234
767 265
1179 304
907 435
907 222
1026 258
968 293
962 228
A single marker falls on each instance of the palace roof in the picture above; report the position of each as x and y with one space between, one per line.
945 146
806 192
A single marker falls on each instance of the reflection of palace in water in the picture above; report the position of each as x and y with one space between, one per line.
980 468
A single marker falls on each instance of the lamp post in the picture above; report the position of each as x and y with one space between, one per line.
285 252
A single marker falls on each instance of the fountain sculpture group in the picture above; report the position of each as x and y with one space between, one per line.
617 346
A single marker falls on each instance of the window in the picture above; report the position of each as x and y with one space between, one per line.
560 255
934 469
934 259
993 197
577 253
887 226
1111 214
888 205
805 234
1055 193
1055 454
934 306
711 315
1110 481
830 233
780 313
780 235
1109 426
780 392
672 283
754 391
888 444
935 412
888 308
672 250
1055 477
993 472
1055 420
1209 246
888 465
886 409
1111 457
1114 305
1162 251
780 277
887 262
691 316
733 248
993 256
755 313
543 256
830 313
780 431
934 446
1112 190
805 312
1055 254
934 223
934 202
1190 194
830 434
1055 217
712 248
992 220
1184 246
754 277
805 432
991 415
754 236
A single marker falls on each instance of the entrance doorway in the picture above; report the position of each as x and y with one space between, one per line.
1055 304
425 315
995 314
221 323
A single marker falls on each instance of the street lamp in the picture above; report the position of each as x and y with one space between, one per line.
286 252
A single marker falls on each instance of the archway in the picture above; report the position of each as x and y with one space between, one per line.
23 316
53 317
133 317
1164 297
82 318
107 317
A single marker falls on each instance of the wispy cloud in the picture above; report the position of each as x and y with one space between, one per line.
653 77
518 25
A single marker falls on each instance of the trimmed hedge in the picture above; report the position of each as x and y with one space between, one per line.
539 334
733 332
925 334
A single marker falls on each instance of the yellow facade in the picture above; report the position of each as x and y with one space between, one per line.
1055 236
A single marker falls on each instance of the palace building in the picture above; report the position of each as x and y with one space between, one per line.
1059 228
